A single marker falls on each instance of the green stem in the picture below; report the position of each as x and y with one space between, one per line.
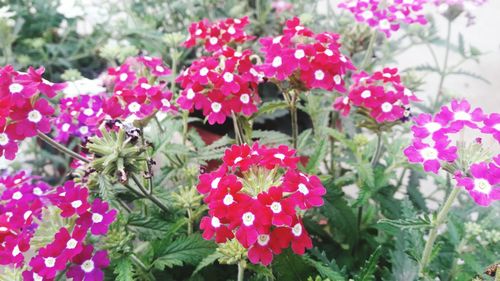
159 124
237 131
295 123
441 216
61 148
369 51
151 197
185 117
378 150
443 72
241 271
190 221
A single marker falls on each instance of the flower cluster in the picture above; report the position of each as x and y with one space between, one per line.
221 84
256 196
453 8
386 16
433 147
214 36
308 60
380 95
23 199
139 90
22 112
79 116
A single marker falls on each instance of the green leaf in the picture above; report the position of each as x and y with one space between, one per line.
407 223
184 250
461 45
289 266
316 158
324 270
365 172
270 107
148 227
414 194
368 270
124 270
303 139
208 260
271 137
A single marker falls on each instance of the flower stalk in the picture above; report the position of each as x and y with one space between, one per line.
441 216
241 270
61 147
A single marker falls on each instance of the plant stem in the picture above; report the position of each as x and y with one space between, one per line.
378 150
241 271
61 147
295 123
441 216
190 221
159 124
444 70
185 117
237 132
369 51
151 197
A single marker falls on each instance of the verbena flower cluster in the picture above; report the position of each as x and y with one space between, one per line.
24 199
386 15
305 59
381 95
258 196
139 89
433 146
23 111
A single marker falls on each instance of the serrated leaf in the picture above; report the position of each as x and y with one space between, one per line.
208 260
303 139
324 270
270 107
413 191
366 174
316 158
271 137
368 270
148 227
469 74
184 250
408 223
289 266
124 270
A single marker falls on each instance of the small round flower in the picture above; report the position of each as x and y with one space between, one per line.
89 265
430 156
483 185
98 218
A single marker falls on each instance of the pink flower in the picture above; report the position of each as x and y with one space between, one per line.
88 266
430 156
71 199
73 241
300 238
483 185
307 191
214 226
31 118
250 219
460 114
98 218
262 251
281 209
492 125
49 260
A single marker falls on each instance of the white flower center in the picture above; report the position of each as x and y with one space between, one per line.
237 159
328 52
276 40
37 277
319 75
15 88
228 77
231 30
299 54
367 15
204 71
399 15
386 107
97 218
145 86
88 111
215 222
87 266
123 77
297 229
245 98
34 116
83 130
77 203
71 244
462 115
345 100
15 251
65 127
198 32
37 191
263 239
303 189
482 185
342 58
27 214
50 262
165 102
277 62
4 139
215 183
384 24
159 68
213 40
432 127
248 218
337 79
276 207
216 107
190 94
228 199
429 153
496 127
280 156
17 195
134 107
366 94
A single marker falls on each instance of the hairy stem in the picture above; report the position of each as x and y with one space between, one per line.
241 271
295 123
190 221
378 150
61 147
237 131
151 197
441 216
369 51
444 71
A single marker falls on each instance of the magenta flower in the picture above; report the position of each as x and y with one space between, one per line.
492 125
214 226
71 199
483 185
49 261
460 114
88 266
431 155
98 218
